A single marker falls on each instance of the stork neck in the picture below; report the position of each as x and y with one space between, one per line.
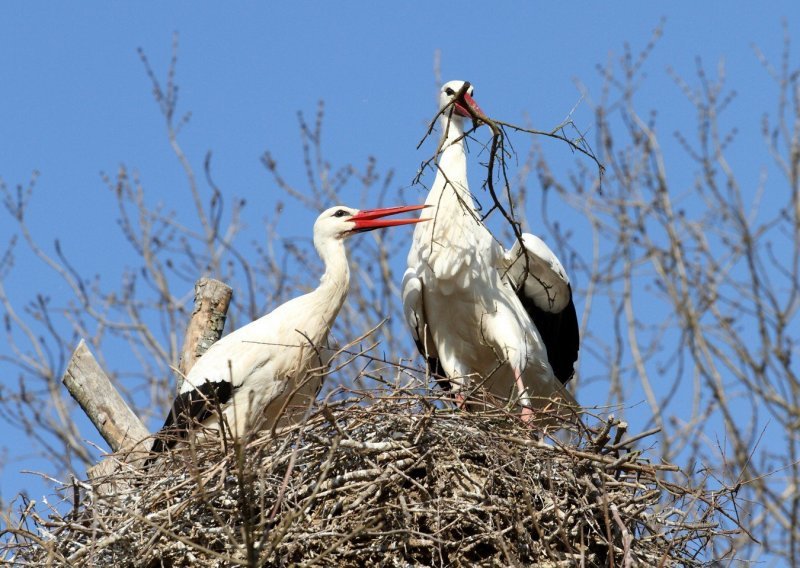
450 188
335 282
452 140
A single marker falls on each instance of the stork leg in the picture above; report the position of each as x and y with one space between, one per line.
524 400
458 385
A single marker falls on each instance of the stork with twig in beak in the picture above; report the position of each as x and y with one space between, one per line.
488 319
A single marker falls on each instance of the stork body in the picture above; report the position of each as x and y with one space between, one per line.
272 368
486 318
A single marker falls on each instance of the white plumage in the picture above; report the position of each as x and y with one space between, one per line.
487 319
272 368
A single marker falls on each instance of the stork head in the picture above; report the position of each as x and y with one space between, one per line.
457 95
341 222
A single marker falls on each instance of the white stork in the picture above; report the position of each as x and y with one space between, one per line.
250 375
487 319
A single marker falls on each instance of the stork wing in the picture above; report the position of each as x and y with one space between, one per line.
191 407
414 310
543 287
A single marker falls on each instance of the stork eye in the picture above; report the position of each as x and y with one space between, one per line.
341 213
449 92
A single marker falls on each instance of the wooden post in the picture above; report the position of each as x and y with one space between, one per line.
211 301
108 411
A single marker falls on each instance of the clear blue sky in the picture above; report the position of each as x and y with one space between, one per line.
75 99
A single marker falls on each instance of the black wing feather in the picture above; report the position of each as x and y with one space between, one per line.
190 408
560 333
434 367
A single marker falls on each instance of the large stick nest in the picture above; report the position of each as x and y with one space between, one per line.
390 480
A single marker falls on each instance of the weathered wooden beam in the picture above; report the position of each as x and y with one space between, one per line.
211 301
108 411
92 389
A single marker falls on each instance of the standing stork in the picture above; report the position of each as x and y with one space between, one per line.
249 376
487 319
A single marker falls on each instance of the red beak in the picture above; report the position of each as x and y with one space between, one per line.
461 109
370 219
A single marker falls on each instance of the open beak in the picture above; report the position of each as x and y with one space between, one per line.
370 219
462 104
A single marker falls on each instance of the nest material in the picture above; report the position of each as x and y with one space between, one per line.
389 481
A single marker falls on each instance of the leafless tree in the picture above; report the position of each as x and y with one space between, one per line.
690 292
144 315
699 283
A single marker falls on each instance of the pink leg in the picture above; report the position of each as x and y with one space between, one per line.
527 411
461 400
527 414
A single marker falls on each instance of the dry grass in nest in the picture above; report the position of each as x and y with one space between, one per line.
389 479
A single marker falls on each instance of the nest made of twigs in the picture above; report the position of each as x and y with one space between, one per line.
392 480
